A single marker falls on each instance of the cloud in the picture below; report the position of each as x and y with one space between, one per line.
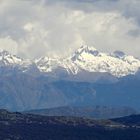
7 43
32 28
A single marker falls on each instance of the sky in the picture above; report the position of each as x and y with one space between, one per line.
34 28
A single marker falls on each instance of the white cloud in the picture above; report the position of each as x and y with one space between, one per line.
28 27
7 43
39 28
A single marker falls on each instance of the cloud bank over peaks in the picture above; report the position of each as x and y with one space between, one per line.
31 28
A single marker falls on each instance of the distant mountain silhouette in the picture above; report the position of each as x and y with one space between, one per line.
96 112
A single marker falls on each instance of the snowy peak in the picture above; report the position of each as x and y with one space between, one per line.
7 59
87 49
15 63
117 64
46 64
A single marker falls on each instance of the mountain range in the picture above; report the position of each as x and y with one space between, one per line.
85 78
85 59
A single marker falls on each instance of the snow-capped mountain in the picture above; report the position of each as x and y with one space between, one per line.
13 62
6 59
87 77
91 60
85 58
117 63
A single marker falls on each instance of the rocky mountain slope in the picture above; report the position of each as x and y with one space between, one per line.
26 92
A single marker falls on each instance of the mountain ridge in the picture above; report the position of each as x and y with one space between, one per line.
94 112
85 58
15 126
